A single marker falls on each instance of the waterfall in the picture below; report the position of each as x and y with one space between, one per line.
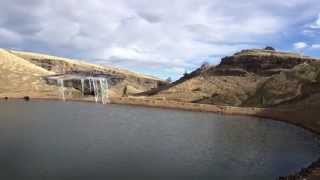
100 89
98 85
107 91
62 89
95 90
104 90
82 87
90 88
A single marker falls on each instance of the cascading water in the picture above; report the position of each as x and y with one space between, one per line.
61 83
103 88
82 87
95 90
90 87
98 85
100 89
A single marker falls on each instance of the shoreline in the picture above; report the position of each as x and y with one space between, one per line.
294 116
276 114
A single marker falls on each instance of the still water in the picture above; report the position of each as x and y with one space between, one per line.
69 140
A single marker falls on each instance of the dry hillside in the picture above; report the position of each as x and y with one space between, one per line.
134 82
22 74
255 78
19 77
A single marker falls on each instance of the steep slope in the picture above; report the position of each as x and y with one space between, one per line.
257 78
298 86
221 90
19 77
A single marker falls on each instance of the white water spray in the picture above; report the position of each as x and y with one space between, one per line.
104 90
62 89
82 87
98 85
100 89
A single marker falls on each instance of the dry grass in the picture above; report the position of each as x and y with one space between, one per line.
260 52
224 90
79 63
21 78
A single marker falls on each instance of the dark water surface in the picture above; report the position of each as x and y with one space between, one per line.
57 140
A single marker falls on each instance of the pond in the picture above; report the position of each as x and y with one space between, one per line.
72 140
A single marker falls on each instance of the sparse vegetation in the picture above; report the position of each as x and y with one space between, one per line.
169 80
205 65
269 48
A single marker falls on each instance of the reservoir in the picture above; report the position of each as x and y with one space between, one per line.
73 140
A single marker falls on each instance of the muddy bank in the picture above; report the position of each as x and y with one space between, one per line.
310 173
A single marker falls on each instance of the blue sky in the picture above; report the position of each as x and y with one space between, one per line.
162 38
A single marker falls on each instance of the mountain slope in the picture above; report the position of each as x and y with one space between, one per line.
255 78
289 87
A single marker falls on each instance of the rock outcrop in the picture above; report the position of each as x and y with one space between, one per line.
263 62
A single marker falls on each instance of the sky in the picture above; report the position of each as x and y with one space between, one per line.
164 38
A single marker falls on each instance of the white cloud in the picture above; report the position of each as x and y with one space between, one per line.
176 70
300 45
316 24
171 34
315 46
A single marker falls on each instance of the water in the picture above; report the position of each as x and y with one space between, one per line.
82 87
67 140
62 89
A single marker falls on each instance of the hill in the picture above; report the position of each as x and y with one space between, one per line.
22 74
250 78
19 76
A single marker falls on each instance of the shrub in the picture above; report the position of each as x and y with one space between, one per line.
269 48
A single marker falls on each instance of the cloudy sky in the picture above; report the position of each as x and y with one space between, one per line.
159 37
